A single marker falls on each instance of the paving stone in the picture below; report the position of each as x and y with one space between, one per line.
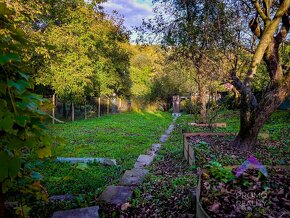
143 160
116 194
89 212
164 138
150 152
170 129
156 147
133 177
55 198
105 161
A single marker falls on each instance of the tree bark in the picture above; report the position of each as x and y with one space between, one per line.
108 105
72 111
202 99
99 107
253 115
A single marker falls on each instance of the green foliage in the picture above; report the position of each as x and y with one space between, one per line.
22 132
220 173
87 55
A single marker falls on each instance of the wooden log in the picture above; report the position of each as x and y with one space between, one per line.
214 125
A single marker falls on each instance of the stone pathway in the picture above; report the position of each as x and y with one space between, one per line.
88 212
118 195
121 194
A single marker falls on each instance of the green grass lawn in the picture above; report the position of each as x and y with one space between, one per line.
122 137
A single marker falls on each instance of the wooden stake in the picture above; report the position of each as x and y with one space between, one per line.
108 105
53 109
99 107
85 109
72 111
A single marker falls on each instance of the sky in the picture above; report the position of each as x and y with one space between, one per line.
134 11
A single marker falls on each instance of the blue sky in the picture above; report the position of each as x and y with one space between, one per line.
132 10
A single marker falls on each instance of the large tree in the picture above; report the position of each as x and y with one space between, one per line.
270 26
87 55
194 31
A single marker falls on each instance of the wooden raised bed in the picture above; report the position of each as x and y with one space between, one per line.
200 212
188 150
189 155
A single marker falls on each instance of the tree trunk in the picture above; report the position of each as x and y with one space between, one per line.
72 111
99 107
120 105
248 134
202 101
253 115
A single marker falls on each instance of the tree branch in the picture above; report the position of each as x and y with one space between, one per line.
260 11
281 36
266 38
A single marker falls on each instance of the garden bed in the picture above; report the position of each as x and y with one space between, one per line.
201 148
221 194
250 195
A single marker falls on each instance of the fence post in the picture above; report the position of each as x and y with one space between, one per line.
53 108
114 103
108 105
72 111
99 107
85 109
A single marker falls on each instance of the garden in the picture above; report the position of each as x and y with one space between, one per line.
144 109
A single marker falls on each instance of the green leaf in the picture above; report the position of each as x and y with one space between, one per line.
36 176
5 58
44 152
20 85
4 10
3 87
24 76
6 122
4 158
82 166
14 166
6 184
22 120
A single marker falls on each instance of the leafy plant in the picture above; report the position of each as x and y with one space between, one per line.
22 132
220 173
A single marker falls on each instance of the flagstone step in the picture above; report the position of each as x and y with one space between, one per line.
116 194
143 161
89 212
133 177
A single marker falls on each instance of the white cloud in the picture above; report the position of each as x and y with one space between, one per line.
134 11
